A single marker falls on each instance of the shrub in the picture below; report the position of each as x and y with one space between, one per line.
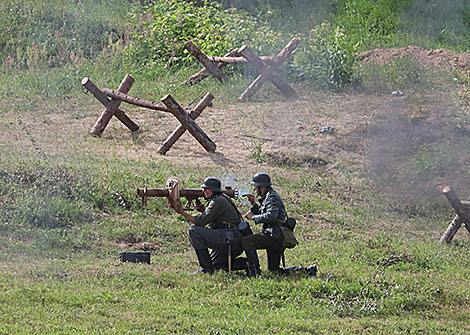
57 32
161 30
326 58
369 23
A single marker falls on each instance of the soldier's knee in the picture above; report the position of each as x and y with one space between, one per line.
247 243
192 231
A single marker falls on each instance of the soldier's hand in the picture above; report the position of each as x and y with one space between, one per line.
251 198
200 207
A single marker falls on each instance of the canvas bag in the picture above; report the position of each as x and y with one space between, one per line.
288 238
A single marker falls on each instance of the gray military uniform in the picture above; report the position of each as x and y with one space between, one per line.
270 213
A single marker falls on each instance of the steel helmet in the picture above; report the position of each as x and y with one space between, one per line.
261 179
212 184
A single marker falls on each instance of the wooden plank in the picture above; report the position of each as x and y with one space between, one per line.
208 64
101 97
188 123
111 108
135 101
179 131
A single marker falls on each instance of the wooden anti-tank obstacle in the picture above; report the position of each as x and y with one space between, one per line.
462 210
168 104
266 65
111 106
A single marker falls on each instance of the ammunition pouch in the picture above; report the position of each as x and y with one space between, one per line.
244 228
229 236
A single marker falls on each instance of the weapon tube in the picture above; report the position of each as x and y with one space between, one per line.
188 193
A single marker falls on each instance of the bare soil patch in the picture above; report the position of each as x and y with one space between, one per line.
442 58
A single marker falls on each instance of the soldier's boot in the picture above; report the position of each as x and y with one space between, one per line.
204 261
311 270
253 263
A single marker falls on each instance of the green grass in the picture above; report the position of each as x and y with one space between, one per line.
68 205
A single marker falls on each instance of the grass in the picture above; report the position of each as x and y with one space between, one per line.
68 204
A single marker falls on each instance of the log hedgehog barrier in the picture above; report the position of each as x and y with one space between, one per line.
167 104
267 66
462 210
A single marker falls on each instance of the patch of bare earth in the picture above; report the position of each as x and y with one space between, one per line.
374 132
442 58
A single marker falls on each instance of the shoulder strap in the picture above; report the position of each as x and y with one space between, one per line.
233 204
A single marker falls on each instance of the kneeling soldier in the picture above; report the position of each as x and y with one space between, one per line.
222 217
272 214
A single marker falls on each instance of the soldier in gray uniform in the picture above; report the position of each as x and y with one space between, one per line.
222 218
272 214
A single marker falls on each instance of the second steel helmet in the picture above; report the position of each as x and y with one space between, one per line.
261 179
212 184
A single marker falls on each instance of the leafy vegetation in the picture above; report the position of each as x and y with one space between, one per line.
364 196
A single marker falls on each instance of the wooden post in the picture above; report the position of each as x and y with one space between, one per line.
181 129
91 87
462 208
203 73
111 108
456 203
208 64
451 230
135 101
188 123
267 71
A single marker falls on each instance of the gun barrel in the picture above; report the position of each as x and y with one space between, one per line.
184 192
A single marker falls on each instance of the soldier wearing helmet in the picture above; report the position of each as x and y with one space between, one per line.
220 215
271 212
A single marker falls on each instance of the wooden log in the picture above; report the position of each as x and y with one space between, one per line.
203 73
184 192
208 64
451 230
135 101
98 94
194 114
238 60
267 71
111 108
456 204
260 64
188 123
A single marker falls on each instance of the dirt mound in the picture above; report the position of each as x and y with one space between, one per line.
442 58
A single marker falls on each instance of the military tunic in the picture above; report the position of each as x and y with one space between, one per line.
271 212
219 215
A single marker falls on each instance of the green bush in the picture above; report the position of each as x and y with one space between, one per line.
369 23
57 32
161 30
326 58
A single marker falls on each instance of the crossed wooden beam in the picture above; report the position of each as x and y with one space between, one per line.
168 104
462 210
267 66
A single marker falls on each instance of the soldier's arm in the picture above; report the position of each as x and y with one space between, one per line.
255 209
211 213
